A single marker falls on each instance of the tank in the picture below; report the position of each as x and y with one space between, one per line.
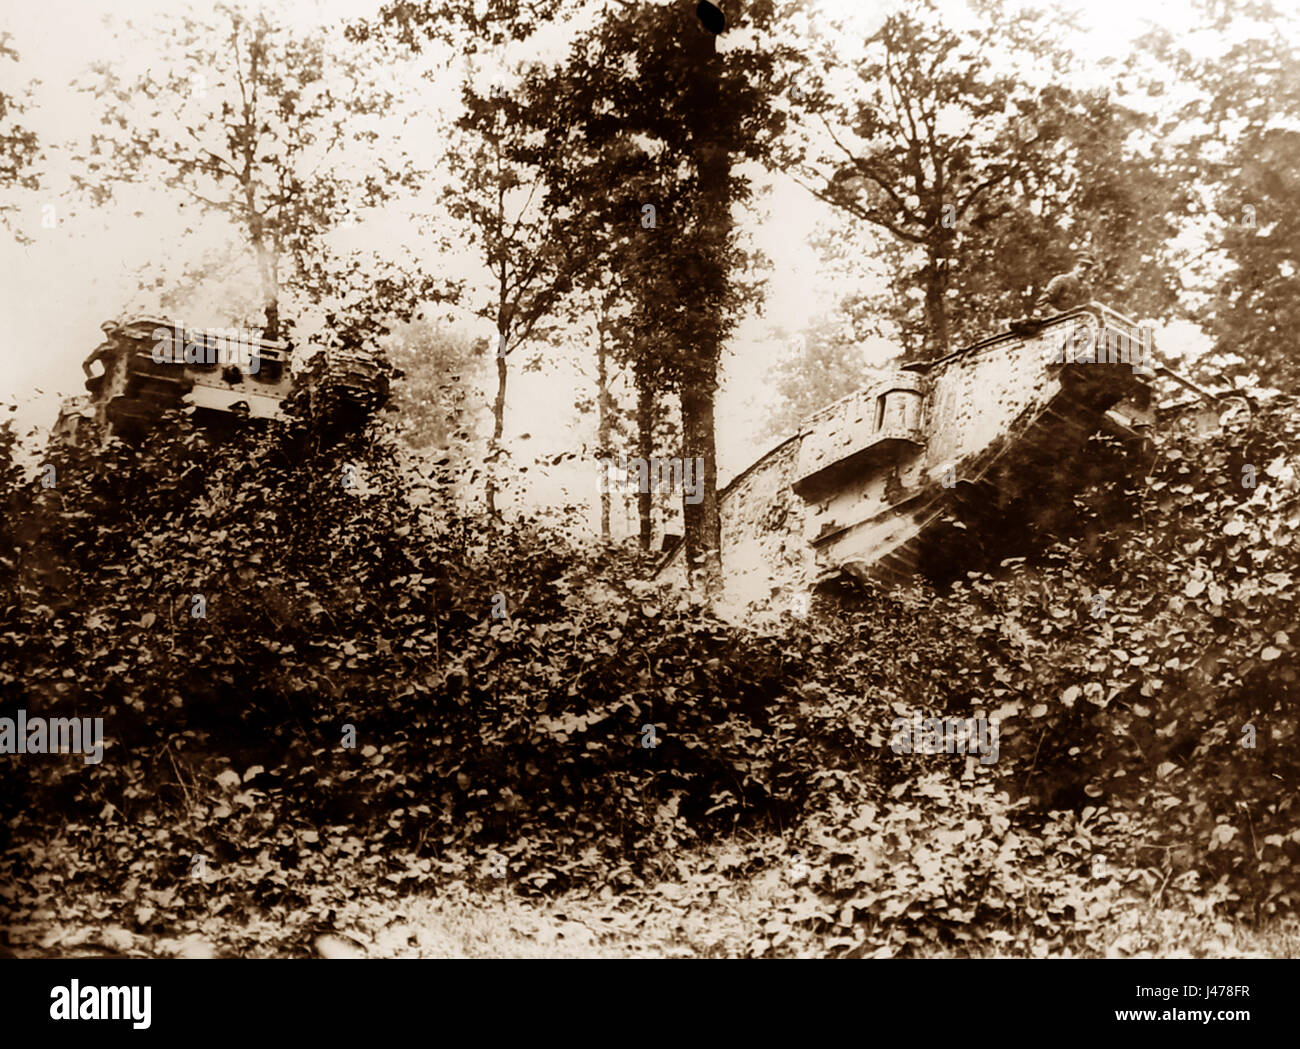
899 477
151 365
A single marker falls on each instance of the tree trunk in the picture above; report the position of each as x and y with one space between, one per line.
700 521
272 312
268 264
604 423
936 305
266 267
505 312
498 427
645 448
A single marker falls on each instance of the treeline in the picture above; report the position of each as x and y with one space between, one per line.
593 166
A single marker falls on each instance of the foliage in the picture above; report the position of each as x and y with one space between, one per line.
329 605
468 28
1100 177
1253 310
517 742
18 146
1178 702
890 879
828 363
981 180
1242 149
265 132
433 399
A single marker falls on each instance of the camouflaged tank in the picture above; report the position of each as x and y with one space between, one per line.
896 478
151 366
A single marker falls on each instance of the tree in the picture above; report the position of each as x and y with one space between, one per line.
602 303
260 132
497 192
439 365
605 404
982 182
519 227
1241 154
1099 178
18 145
662 168
827 364
923 135
436 405
1255 308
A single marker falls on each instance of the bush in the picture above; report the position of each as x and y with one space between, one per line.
441 690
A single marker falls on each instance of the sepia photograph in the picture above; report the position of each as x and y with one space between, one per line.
650 479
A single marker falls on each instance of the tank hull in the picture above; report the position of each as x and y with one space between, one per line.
877 484
151 366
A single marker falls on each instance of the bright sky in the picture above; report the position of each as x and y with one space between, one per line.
57 290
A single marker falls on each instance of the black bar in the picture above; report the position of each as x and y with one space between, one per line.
1013 1001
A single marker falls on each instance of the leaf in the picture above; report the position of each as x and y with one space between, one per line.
1070 695
1194 587
228 779
148 619
253 771
1234 527
117 938
331 946
1270 653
